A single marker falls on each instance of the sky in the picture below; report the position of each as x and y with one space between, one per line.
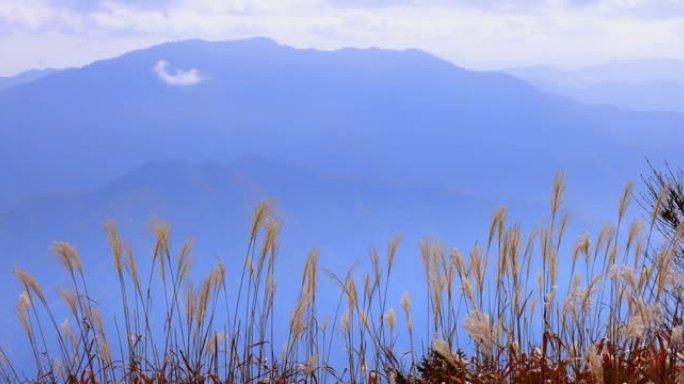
481 34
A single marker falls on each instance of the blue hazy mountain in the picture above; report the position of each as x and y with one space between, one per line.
656 84
392 115
217 199
25 77
617 71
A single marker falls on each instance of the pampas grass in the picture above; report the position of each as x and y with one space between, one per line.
492 314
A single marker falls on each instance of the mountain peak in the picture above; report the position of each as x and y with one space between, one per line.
256 41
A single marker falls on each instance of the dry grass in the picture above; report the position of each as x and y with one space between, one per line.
618 320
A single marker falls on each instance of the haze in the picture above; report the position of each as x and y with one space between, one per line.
359 120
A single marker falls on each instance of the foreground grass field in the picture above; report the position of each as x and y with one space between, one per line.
617 320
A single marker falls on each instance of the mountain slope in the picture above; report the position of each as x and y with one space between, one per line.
215 198
649 96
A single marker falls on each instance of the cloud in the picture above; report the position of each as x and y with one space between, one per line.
484 34
176 77
92 5
634 8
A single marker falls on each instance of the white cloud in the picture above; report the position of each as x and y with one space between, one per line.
176 77
473 33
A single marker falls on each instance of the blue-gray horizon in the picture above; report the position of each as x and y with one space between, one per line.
491 34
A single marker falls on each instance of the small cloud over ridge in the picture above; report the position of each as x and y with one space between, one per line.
175 76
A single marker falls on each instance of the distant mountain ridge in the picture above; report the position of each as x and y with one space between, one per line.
25 77
617 71
656 85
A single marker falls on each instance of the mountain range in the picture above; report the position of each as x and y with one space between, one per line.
369 113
